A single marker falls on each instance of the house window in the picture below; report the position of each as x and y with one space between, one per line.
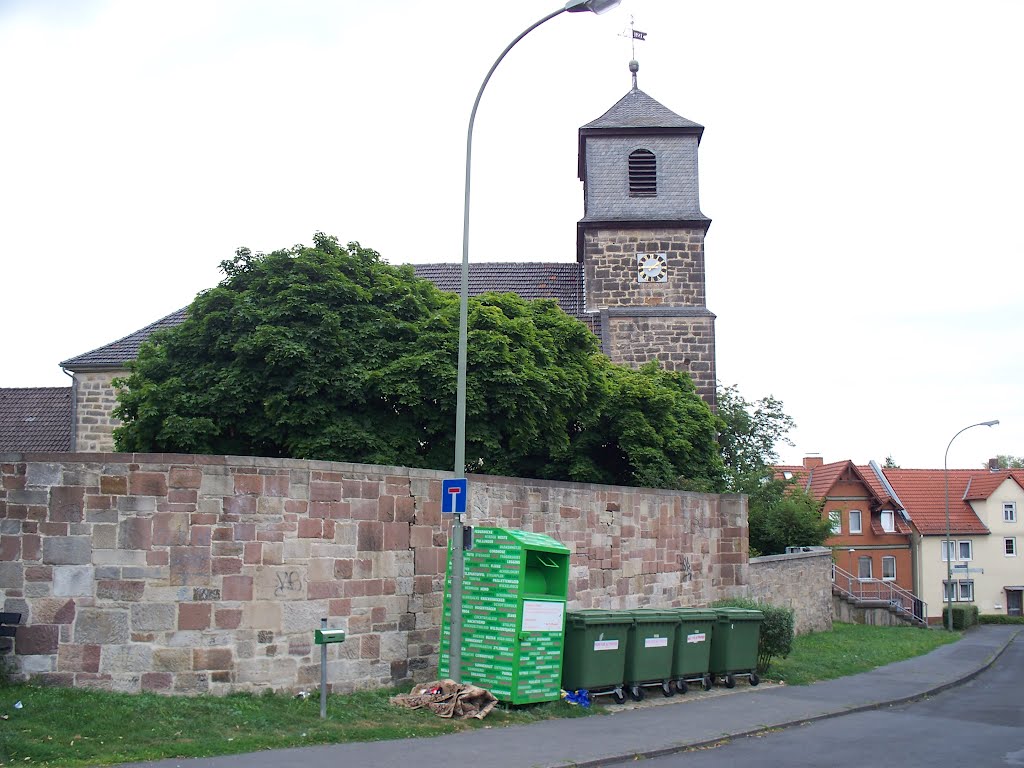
962 550
855 521
966 551
836 518
643 174
1010 546
888 521
888 568
1009 511
863 567
963 591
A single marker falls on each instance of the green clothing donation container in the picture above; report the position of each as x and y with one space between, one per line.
691 660
514 587
734 645
595 652
649 653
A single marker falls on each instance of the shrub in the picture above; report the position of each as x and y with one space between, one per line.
964 616
776 637
999 618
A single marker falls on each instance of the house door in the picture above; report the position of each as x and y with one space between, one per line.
1013 602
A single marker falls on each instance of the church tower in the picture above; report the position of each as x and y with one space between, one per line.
641 239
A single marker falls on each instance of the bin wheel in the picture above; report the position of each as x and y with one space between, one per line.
730 681
636 693
681 686
754 679
708 682
666 689
619 696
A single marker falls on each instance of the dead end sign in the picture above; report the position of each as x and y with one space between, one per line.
454 493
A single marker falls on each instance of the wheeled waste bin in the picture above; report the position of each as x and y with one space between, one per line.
595 652
649 652
691 659
734 645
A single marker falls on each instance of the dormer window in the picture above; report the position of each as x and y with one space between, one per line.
643 174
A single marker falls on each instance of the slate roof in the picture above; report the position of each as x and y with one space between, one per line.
638 110
35 420
562 281
923 494
114 355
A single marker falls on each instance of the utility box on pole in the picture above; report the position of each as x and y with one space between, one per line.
514 589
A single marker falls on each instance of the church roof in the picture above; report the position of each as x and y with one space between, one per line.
638 110
35 419
561 281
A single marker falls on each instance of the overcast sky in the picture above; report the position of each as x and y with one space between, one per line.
862 164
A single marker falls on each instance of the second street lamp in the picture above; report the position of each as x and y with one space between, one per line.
948 544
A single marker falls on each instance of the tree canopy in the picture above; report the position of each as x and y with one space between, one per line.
328 352
780 513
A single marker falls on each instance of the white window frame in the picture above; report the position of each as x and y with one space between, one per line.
1009 511
960 550
835 517
860 561
957 547
963 591
1010 546
859 528
891 559
892 520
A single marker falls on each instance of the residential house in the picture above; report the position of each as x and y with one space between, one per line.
981 551
872 539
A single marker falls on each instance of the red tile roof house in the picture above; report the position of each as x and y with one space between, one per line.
889 525
872 539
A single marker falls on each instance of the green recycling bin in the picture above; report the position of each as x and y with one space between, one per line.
691 660
649 652
595 652
514 588
734 645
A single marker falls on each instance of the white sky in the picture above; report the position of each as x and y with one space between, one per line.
861 163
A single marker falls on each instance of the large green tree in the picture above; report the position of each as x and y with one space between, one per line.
328 352
780 513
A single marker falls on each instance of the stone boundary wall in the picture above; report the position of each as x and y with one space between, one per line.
188 574
801 581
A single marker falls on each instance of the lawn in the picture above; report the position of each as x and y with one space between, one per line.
76 727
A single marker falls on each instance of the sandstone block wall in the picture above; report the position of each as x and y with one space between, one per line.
94 403
801 581
187 574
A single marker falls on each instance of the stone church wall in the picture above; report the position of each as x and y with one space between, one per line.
188 574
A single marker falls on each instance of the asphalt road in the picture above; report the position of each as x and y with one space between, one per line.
977 724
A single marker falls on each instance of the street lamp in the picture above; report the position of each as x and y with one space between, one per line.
949 552
455 627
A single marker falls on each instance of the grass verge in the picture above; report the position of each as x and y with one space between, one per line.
77 727
852 648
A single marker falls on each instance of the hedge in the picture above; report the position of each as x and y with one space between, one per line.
776 636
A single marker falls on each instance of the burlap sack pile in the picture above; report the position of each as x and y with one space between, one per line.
449 699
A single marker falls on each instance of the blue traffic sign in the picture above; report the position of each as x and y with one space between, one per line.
453 496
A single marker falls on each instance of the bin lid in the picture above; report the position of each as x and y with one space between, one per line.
654 614
739 614
595 616
536 541
696 614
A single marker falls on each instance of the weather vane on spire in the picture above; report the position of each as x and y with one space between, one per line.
633 34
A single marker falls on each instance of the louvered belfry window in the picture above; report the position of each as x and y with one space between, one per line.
643 174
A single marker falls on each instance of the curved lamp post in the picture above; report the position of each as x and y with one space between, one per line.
949 551
455 624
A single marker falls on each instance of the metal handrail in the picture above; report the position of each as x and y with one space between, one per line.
898 598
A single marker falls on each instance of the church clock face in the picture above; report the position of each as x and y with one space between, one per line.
652 267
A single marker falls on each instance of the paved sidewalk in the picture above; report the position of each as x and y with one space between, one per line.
652 730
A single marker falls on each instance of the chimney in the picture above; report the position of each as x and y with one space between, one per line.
993 465
813 460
